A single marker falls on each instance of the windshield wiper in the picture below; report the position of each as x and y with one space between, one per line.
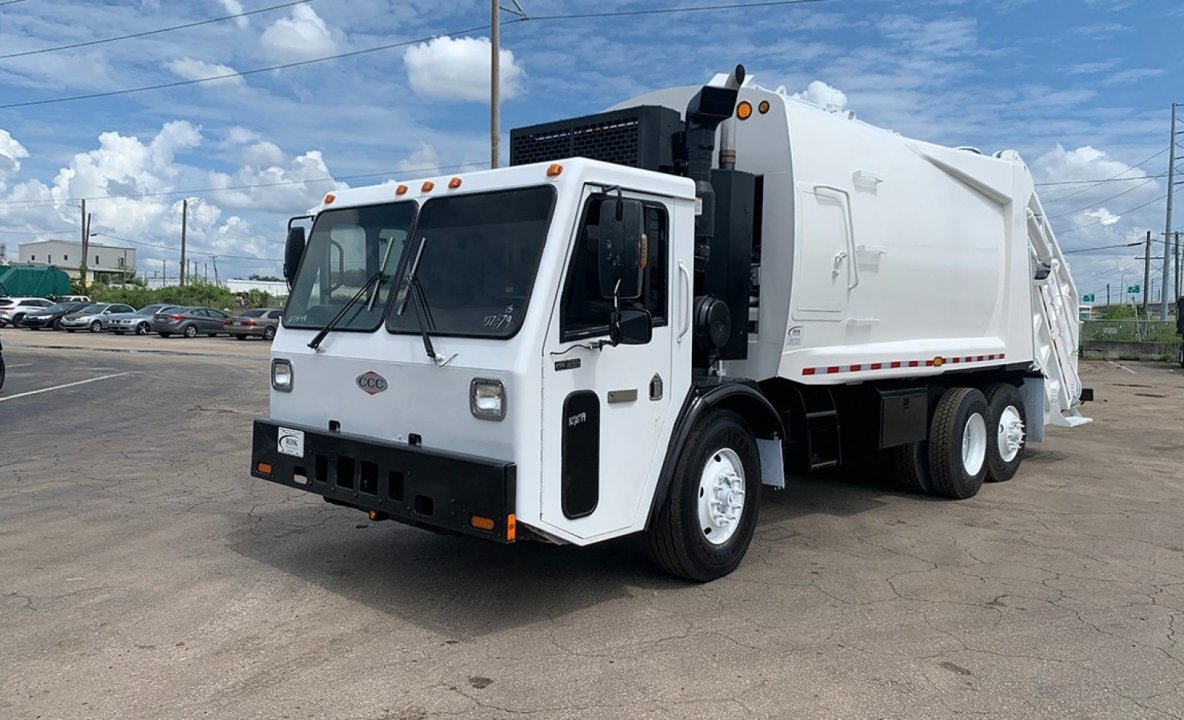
422 309
375 278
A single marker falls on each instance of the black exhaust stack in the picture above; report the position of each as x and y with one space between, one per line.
710 107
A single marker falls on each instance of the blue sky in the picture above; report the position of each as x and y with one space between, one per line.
1081 88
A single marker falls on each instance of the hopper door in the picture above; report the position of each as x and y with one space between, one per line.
825 270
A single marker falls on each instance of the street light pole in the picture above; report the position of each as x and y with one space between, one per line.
1167 230
495 61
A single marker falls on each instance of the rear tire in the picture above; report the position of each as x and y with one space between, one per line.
911 463
240 337
69 330
715 490
164 335
190 331
96 326
958 441
1007 425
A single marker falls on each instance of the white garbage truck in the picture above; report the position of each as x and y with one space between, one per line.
656 310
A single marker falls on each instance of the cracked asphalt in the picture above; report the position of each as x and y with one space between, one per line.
145 575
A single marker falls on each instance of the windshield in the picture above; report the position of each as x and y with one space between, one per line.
478 261
89 309
345 250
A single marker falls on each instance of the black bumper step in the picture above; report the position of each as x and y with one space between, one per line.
411 484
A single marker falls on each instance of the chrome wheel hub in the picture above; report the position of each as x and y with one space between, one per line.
721 496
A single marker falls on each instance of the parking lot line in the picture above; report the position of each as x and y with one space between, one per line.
13 367
1122 367
62 387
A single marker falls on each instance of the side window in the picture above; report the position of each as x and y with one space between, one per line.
584 312
201 312
275 314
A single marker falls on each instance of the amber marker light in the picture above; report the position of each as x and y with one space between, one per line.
454 183
427 186
401 190
481 522
744 110
511 528
263 468
938 361
555 170
330 198
763 107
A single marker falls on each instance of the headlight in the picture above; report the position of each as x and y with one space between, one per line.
487 399
281 375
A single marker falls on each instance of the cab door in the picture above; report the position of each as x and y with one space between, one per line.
605 407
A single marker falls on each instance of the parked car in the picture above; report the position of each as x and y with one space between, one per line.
84 299
138 322
91 317
1 366
14 309
261 322
189 321
51 317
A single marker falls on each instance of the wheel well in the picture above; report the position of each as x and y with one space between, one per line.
760 417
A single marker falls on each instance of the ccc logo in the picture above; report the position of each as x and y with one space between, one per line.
371 383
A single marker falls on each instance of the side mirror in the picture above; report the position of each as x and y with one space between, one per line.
630 327
292 252
621 252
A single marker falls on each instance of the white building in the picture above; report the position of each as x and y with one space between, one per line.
103 262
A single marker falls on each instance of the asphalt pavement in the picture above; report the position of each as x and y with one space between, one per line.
144 574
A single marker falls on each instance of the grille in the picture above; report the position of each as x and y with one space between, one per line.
641 137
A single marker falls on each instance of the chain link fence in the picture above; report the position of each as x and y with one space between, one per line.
1129 331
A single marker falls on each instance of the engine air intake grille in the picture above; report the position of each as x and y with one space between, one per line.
640 137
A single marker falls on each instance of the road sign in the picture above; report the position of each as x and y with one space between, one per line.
1134 289
1087 298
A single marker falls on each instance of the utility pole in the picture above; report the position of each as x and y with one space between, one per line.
184 221
214 259
1167 230
495 132
495 61
1177 264
85 245
1107 296
1146 271
164 272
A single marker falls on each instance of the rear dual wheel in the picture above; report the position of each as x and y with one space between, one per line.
973 436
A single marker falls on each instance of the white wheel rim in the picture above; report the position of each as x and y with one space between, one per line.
974 444
1010 433
721 496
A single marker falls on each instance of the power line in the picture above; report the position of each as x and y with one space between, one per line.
1101 247
1099 221
390 46
1115 175
10 2
1099 202
227 188
146 33
194 252
255 71
1099 182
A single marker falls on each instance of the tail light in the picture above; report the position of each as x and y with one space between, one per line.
248 322
176 317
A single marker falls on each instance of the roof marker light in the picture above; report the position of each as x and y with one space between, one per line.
330 198
454 183
554 170
427 186
401 190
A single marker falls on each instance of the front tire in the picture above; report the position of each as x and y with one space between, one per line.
709 517
1006 421
958 441
269 334
142 328
57 323
96 326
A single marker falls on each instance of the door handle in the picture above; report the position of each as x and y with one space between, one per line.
840 256
684 286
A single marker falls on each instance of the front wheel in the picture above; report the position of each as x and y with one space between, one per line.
708 519
1005 418
96 326
958 440
269 334
142 328
57 323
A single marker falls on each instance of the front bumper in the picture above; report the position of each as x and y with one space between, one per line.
28 322
428 488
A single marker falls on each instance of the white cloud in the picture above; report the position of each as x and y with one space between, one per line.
458 69
302 36
234 7
284 187
263 154
192 69
824 95
11 153
422 160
